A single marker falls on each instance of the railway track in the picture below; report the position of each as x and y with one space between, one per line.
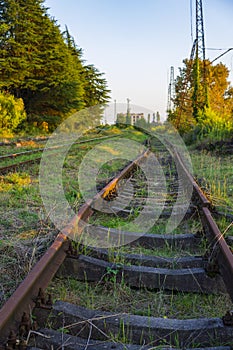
15 165
196 260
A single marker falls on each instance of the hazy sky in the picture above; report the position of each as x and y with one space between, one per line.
135 42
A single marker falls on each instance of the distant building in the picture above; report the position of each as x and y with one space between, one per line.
133 117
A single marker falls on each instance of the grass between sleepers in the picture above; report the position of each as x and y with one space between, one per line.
107 295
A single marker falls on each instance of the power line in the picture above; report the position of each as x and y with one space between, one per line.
231 48
213 48
191 17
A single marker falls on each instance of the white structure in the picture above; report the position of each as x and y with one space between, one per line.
134 117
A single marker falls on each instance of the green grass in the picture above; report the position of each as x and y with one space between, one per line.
225 225
215 175
127 223
25 146
107 295
168 251
25 229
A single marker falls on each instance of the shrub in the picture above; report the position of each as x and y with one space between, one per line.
213 125
12 112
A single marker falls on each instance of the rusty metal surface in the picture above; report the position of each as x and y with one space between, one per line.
16 165
203 201
18 154
219 250
37 159
39 277
77 224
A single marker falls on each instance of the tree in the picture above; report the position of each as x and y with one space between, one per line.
95 86
148 118
95 91
12 112
158 117
218 88
36 64
141 123
121 118
42 67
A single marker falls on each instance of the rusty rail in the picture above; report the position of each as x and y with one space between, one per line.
23 299
37 159
221 253
18 154
16 165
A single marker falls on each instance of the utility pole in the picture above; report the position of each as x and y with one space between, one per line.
171 91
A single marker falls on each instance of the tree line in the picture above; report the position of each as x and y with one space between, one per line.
43 67
208 111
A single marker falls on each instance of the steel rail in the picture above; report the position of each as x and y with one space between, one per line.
23 299
221 253
17 154
220 250
13 143
15 165
37 159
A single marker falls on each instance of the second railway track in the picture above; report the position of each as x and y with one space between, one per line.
154 282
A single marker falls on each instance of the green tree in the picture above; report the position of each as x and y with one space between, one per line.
43 67
121 118
36 63
141 123
219 96
12 112
95 86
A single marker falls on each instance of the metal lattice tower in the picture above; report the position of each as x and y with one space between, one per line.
198 52
200 37
171 91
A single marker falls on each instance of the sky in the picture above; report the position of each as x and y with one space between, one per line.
135 42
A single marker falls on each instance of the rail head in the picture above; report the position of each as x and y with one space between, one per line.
39 277
23 299
220 249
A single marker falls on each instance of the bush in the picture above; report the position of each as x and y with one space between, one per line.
12 112
213 125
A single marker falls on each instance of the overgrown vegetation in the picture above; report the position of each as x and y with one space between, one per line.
214 173
26 231
107 295
196 115
25 228
12 113
44 68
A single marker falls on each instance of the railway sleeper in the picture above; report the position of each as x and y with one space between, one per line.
96 325
48 338
86 268
147 240
146 260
